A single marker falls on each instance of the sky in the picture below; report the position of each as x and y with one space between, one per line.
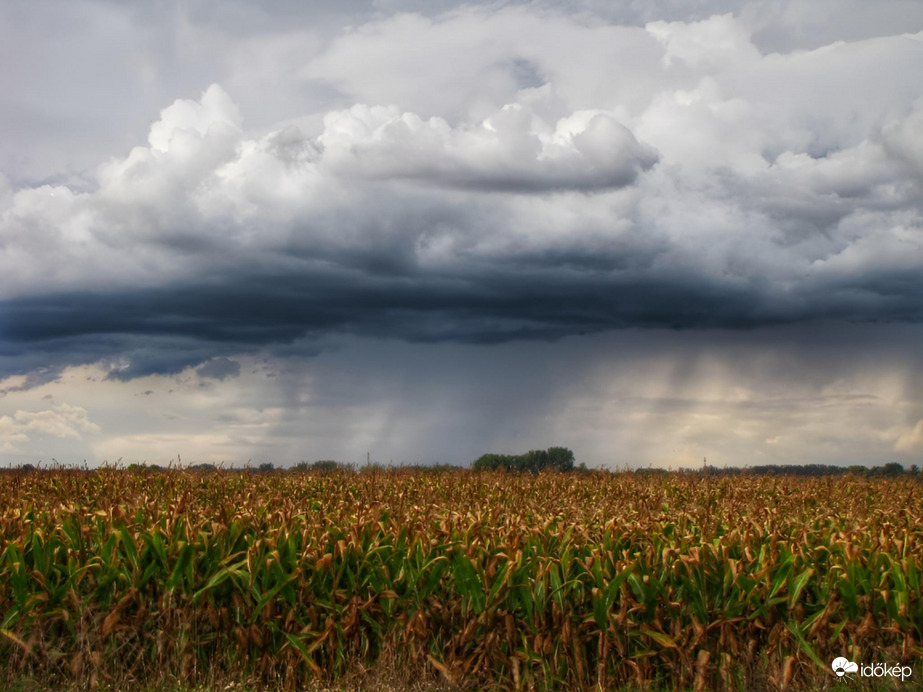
653 232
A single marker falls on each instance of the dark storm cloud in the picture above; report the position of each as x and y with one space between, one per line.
477 177
169 329
219 369
35 378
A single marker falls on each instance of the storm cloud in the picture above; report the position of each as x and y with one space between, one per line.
695 213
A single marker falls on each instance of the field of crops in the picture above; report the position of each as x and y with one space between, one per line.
495 581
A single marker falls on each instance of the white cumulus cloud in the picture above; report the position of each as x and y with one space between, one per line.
62 421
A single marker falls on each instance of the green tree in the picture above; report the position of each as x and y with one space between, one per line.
560 458
533 461
493 462
325 465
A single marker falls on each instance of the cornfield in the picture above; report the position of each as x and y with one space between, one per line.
479 580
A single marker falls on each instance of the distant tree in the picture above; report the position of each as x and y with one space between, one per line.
652 472
533 461
265 467
561 459
791 470
325 465
493 462
435 468
891 469
203 467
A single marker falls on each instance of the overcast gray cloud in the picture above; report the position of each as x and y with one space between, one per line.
251 184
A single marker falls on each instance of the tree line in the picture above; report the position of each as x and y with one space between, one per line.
887 470
533 461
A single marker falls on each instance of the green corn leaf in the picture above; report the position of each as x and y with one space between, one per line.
467 582
183 562
781 575
805 646
130 547
798 586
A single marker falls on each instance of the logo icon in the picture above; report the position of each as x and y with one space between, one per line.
842 665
